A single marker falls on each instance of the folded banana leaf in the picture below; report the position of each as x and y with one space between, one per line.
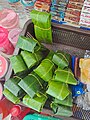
61 59
24 73
35 103
66 102
45 70
31 84
18 64
50 55
28 44
42 26
58 90
68 57
13 87
65 76
61 110
29 58
11 97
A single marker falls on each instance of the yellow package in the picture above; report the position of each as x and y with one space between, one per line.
84 65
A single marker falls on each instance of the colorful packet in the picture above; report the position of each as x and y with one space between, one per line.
45 1
84 65
76 1
74 6
59 5
71 21
86 9
60 14
41 6
73 12
87 4
85 22
85 15
62 3
57 9
73 18
56 18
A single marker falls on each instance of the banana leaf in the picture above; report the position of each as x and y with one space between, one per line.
68 57
28 44
45 70
42 26
31 84
24 73
11 97
13 87
50 55
18 64
66 102
29 58
61 59
65 76
58 90
61 110
35 103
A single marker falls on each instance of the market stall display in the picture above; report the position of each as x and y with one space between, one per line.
57 78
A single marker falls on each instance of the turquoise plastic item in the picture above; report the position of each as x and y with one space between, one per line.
39 117
13 1
27 3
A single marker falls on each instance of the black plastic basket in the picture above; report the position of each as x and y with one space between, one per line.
71 40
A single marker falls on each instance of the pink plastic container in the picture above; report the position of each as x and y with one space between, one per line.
13 36
9 19
3 66
1 91
5 44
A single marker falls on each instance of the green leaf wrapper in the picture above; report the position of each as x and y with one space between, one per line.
28 44
62 110
61 59
13 87
11 97
29 58
65 76
18 64
35 103
66 102
31 84
58 90
45 69
42 26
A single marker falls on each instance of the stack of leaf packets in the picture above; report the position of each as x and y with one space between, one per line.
58 87
12 90
40 74
42 26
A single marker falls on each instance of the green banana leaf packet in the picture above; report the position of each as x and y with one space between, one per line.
42 26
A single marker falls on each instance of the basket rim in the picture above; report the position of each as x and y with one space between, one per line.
60 26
